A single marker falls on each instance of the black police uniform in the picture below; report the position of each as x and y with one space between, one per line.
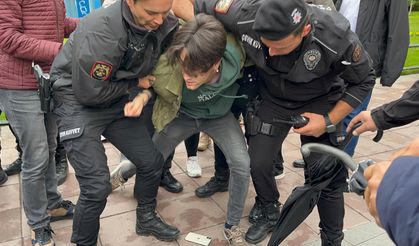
94 73
309 79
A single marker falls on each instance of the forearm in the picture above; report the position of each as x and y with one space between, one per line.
340 111
183 9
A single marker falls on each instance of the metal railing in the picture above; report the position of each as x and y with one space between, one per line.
411 46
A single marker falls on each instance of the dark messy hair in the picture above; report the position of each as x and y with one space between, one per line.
203 39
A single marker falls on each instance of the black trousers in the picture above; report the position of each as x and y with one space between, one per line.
239 107
263 147
80 130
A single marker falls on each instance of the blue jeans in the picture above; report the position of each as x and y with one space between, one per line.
350 148
227 134
37 133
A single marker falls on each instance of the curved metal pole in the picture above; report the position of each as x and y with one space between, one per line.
347 160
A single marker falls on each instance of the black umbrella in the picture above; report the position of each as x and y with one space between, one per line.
304 198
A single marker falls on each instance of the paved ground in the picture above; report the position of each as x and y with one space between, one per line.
206 216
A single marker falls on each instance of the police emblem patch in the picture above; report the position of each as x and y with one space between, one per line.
223 6
356 55
101 70
311 59
296 16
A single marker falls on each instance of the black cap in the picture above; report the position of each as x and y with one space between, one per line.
276 19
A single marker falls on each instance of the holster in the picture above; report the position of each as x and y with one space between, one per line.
45 93
255 125
44 88
338 136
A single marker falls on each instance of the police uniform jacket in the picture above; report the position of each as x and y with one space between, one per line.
310 77
399 112
106 56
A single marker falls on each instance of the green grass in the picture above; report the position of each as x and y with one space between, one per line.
413 54
2 119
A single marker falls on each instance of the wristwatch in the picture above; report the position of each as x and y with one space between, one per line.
329 125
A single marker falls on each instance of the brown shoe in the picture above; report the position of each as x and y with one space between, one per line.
65 210
204 141
235 236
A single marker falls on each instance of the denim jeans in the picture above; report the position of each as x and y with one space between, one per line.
227 134
37 133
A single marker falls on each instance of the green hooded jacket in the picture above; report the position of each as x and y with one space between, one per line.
209 101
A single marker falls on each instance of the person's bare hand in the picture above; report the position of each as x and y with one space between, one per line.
368 123
146 82
315 127
135 107
374 174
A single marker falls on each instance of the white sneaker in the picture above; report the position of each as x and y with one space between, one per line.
193 168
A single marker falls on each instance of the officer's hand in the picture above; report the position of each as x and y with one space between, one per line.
134 108
315 127
146 82
374 174
368 123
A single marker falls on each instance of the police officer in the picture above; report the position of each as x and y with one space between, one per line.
99 66
304 54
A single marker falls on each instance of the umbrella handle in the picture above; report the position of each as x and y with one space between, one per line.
347 160
357 182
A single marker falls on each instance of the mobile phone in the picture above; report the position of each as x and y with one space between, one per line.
197 238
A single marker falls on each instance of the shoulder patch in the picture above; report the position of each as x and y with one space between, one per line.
357 53
311 59
223 6
101 70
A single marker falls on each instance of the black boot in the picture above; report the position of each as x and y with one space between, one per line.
169 182
3 176
259 231
149 224
256 211
14 168
61 164
218 183
326 242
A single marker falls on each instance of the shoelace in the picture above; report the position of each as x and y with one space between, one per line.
66 204
237 234
120 180
43 235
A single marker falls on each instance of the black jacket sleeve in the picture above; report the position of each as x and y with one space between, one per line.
399 112
397 42
358 72
96 57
